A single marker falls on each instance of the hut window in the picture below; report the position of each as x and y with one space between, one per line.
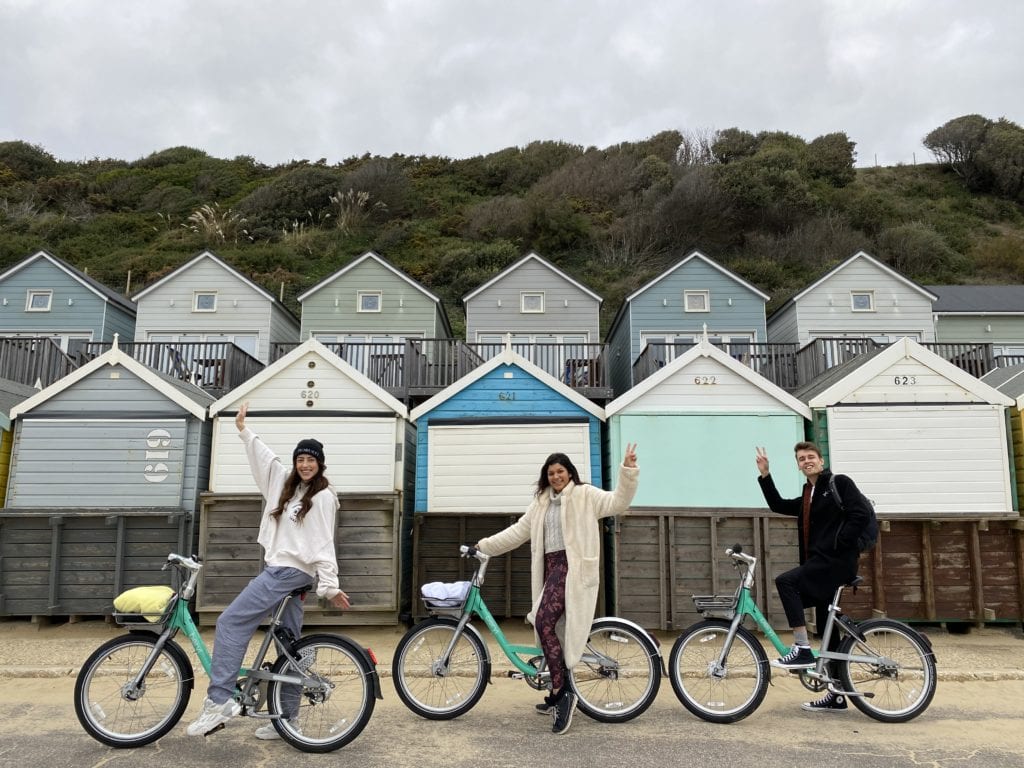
204 301
369 301
862 301
38 301
697 301
532 302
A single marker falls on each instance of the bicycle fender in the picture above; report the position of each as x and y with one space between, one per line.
363 653
633 625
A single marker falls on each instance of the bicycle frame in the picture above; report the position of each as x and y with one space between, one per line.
474 605
746 606
181 620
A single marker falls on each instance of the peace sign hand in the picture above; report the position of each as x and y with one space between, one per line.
629 460
762 461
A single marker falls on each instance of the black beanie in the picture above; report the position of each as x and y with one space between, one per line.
310 447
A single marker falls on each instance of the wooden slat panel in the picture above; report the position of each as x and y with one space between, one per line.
367 548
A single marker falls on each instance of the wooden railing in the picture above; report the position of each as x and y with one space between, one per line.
384 363
214 366
792 367
421 367
776 362
33 361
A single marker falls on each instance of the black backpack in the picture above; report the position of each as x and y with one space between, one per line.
869 536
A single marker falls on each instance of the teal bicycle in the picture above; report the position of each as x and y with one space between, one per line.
720 672
319 692
442 664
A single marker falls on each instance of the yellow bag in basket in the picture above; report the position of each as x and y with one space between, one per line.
148 601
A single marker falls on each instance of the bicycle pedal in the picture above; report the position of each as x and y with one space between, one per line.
515 675
217 727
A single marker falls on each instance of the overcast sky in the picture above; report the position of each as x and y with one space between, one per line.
281 80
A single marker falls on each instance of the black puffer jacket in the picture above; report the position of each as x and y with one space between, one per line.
832 552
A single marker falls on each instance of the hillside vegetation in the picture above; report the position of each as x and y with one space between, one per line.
775 208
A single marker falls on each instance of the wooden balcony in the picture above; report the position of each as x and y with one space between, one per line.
792 367
214 366
33 361
383 363
417 369
776 362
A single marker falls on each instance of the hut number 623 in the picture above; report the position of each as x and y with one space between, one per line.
905 381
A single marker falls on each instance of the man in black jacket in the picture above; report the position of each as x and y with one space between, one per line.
827 534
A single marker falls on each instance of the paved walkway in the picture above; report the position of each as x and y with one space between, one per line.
29 649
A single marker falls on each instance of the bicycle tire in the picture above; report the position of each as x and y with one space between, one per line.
718 695
323 720
422 687
118 718
620 692
894 694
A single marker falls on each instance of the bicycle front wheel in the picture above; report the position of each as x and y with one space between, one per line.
619 675
899 684
428 686
718 692
116 712
327 715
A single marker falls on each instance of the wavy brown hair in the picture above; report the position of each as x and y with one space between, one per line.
317 484
565 461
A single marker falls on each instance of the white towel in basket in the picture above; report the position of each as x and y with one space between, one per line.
445 593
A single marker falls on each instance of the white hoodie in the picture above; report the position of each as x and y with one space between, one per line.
309 545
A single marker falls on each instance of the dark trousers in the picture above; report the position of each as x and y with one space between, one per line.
552 608
794 601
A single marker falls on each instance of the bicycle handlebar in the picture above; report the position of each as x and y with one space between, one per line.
736 553
468 551
191 563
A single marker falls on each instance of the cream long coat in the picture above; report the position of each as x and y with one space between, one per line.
582 507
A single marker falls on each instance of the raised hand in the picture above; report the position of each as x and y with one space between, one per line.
240 417
762 461
629 460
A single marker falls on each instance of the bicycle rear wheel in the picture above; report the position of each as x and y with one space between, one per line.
619 675
718 693
434 690
327 716
900 685
118 714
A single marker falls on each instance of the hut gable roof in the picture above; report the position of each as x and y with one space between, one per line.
531 257
96 287
1009 381
239 394
859 256
507 357
189 397
704 349
846 379
231 271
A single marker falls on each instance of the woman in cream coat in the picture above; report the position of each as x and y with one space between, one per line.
562 522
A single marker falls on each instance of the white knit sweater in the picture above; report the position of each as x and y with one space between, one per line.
306 545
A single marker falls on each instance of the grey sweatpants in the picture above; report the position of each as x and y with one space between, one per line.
239 623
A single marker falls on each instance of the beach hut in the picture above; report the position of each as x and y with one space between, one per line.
928 443
369 449
11 393
106 470
480 443
696 423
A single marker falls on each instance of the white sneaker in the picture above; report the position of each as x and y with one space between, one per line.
212 716
268 732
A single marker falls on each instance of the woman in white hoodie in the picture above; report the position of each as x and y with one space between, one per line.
297 535
562 525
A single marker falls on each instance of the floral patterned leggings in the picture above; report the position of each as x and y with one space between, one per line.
552 607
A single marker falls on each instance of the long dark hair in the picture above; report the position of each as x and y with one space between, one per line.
557 458
316 484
